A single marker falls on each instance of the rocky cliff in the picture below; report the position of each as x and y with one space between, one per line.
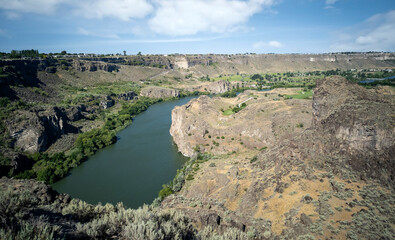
331 180
159 92
35 130
216 87
361 122
83 65
203 123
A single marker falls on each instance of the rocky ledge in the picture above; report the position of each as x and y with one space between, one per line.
159 92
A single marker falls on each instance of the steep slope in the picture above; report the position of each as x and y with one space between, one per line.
334 180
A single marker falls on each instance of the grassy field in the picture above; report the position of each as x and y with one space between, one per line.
228 112
233 78
301 95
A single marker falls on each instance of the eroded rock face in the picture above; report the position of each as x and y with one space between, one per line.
128 96
81 65
202 125
217 87
360 122
75 113
36 130
354 114
159 92
35 133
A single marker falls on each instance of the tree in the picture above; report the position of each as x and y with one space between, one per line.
63 52
124 52
139 54
256 77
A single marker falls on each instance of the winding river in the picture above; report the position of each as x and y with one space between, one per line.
134 169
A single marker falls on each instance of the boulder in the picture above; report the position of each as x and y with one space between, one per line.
107 102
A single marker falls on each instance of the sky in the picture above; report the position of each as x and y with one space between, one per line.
197 26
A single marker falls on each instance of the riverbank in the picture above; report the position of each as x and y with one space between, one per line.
134 169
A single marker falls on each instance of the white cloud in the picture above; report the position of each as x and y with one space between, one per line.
167 17
120 9
187 17
271 44
375 34
85 32
329 2
30 6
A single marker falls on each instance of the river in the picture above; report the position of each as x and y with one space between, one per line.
133 169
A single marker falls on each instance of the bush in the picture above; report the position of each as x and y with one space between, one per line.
88 143
166 191
13 202
229 94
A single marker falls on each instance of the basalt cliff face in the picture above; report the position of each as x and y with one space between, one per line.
159 92
328 181
216 87
36 129
361 122
82 65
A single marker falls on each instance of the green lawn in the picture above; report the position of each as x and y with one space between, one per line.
228 112
301 95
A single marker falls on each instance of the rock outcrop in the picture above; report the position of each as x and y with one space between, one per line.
217 87
201 123
213 88
128 96
361 123
82 65
159 92
36 130
107 102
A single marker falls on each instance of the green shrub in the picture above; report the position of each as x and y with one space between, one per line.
166 191
299 125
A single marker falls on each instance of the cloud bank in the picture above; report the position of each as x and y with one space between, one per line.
375 34
187 17
30 6
166 17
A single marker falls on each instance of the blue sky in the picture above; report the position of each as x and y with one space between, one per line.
197 26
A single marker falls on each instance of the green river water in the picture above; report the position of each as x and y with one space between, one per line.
133 169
